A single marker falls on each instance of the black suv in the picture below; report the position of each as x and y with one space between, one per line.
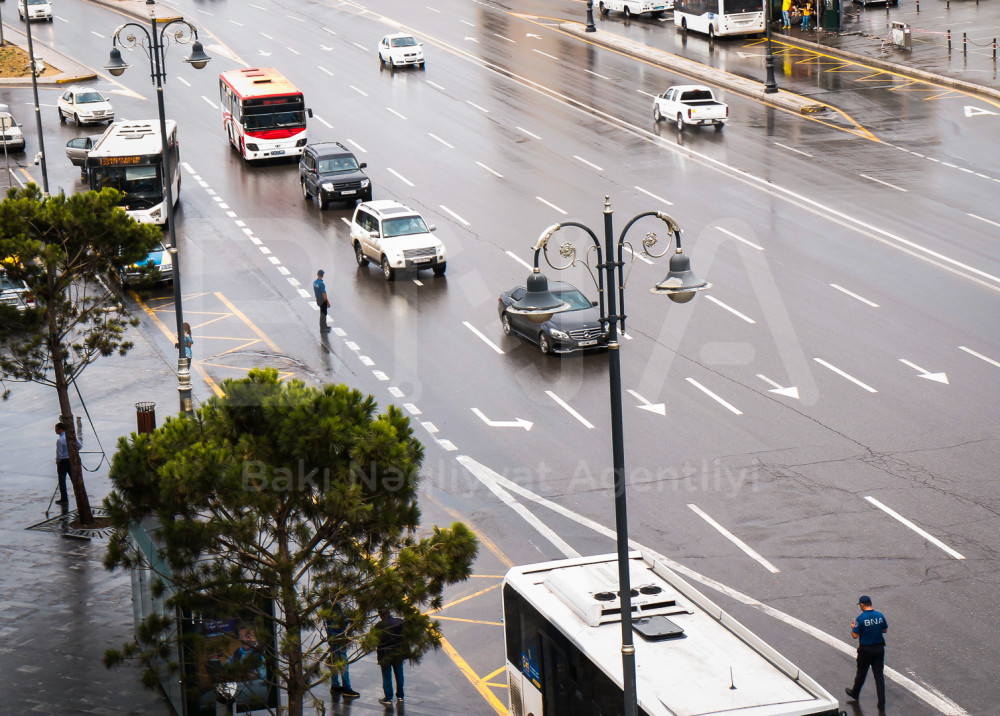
329 171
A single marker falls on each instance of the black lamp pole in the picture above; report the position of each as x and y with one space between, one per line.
590 16
539 305
154 44
770 85
38 111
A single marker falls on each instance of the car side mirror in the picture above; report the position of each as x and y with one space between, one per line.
431 227
594 304
309 113
373 234
362 165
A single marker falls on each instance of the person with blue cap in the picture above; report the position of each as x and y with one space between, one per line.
868 629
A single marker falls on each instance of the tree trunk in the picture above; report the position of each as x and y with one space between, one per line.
62 391
295 687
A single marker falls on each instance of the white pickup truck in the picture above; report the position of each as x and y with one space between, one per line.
655 8
690 104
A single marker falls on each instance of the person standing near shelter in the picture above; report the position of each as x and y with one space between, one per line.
319 289
387 652
806 14
336 628
786 19
62 458
868 629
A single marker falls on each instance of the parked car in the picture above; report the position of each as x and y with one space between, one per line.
396 238
36 9
576 329
10 133
157 268
78 148
690 104
15 293
400 49
329 171
85 107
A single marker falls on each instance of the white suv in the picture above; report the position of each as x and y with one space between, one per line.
400 49
36 9
396 238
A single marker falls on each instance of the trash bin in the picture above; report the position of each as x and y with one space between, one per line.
831 15
145 414
901 35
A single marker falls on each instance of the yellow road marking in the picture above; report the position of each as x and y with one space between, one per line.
495 673
253 327
466 598
469 621
480 685
483 539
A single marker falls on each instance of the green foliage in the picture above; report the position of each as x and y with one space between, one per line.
295 496
64 248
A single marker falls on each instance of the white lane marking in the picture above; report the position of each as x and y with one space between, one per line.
551 57
304 293
183 81
413 409
380 375
337 331
658 408
264 250
520 260
792 149
351 345
390 109
482 337
418 282
323 69
923 533
267 36
61 18
359 91
790 392
447 445
296 18
456 216
434 136
971 352
320 119
939 377
433 9
589 164
732 310
842 374
516 423
210 102
481 109
399 176
752 553
729 233
357 146
504 38
466 22
988 221
285 272
566 406
596 74
292 50
934 699
235 23
429 427
361 47
550 204
395 392
258 7
97 33
713 396
190 170
854 295
638 256
491 480
435 85
884 183
651 194
525 131
366 361
256 242
274 260
491 171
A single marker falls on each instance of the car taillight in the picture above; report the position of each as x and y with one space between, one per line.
29 299
690 113
727 111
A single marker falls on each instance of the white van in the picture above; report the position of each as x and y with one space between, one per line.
36 9
655 8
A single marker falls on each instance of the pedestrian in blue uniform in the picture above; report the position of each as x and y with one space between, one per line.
319 289
390 631
868 629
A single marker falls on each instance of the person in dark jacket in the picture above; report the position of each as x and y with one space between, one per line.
869 629
388 654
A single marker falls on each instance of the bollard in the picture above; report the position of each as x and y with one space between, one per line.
918 5
949 41
965 44
994 50
145 417
947 4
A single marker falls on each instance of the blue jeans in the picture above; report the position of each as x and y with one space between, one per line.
387 671
786 20
336 680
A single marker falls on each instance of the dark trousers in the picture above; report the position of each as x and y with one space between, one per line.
871 657
322 314
62 467
388 670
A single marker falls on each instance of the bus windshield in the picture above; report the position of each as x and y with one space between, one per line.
138 184
276 115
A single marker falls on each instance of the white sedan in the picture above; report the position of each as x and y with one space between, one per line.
85 107
400 49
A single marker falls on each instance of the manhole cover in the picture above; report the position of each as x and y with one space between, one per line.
67 525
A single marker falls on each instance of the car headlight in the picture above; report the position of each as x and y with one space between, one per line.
561 335
252 147
365 183
155 213
328 186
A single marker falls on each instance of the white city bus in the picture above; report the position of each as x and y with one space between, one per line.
129 157
263 114
562 628
720 17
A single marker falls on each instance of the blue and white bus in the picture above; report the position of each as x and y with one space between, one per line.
720 17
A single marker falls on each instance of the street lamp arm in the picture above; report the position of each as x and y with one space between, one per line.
155 45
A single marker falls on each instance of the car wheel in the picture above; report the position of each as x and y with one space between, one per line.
711 33
508 329
323 203
684 25
440 269
359 255
305 192
387 270
604 10
543 344
392 64
680 122
656 113
381 61
62 117
423 66
76 118
719 126
628 13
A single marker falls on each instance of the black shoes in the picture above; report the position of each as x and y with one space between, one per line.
62 502
349 693
850 695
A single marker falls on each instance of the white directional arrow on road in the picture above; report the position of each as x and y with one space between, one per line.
519 423
473 39
325 48
971 111
266 54
789 392
939 377
744 55
530 35
658 408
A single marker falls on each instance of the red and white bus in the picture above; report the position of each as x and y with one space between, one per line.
263 113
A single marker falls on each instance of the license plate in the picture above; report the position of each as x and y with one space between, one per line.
276 152
349 191
420 261
588 343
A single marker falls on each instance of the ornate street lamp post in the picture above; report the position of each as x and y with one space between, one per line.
538 304
770 84
153 43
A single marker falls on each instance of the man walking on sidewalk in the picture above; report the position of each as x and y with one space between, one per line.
868 629
319 288
62 458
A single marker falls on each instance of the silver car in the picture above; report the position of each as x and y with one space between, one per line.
15 293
